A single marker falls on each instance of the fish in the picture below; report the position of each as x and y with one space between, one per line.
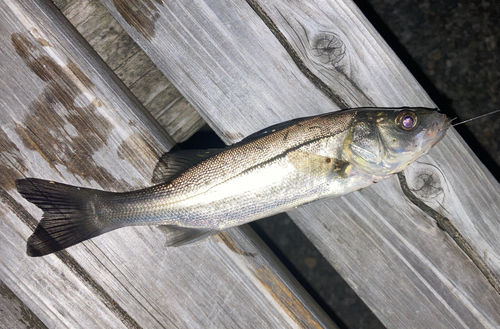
197 193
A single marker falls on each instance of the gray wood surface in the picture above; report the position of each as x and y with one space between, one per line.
247 65
64 116
14 314
133 67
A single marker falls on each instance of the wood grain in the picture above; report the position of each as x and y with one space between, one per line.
66 117
133 67
218 58
15 314
246 65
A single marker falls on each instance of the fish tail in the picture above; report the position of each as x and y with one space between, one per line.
68 215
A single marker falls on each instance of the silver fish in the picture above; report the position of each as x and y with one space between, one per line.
272 171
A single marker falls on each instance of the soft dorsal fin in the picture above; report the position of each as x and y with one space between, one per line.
172 164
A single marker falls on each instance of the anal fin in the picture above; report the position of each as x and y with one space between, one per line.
179 236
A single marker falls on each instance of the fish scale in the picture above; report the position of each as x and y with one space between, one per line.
274 170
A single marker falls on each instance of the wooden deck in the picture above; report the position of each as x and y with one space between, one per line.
422 249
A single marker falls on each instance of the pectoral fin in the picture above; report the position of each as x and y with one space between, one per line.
179 236
314 164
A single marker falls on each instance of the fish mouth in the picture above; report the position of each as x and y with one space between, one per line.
445 122
437 129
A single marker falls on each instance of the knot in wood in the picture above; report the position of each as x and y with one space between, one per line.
328 48
426 184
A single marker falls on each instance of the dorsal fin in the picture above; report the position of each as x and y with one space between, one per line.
269 130
173 163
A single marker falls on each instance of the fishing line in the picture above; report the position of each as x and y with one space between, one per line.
469 120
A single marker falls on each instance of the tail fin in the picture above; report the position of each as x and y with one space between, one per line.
68 216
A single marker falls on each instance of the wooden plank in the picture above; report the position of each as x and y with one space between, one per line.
66 117
245 66
16 315
133 67
228 48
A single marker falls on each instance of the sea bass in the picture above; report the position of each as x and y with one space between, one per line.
272 171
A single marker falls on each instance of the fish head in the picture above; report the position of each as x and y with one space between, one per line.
384 141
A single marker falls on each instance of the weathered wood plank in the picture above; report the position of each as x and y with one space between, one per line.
316 18
133 67
229 48
66 117
233 67
16 315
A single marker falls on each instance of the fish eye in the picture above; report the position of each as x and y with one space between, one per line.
406 120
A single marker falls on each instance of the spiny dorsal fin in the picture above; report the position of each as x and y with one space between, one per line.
179 236
174 163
